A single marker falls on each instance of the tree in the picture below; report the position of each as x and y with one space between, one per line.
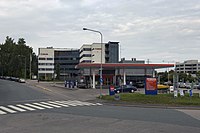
198 75
14 56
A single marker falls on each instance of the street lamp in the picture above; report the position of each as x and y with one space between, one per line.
101 79
24 65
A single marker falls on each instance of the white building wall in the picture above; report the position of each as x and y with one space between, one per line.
96 53
46 53
85 52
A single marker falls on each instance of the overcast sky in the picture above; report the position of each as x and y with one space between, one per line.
158 30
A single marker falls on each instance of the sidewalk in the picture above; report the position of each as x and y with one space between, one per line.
68 93
92 94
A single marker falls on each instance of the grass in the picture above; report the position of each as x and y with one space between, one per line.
161 99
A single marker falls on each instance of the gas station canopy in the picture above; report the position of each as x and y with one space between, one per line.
124 65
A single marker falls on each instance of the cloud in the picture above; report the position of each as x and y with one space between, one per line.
143 28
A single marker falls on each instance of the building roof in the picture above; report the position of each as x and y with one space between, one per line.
124 65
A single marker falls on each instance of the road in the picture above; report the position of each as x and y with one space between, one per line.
67 111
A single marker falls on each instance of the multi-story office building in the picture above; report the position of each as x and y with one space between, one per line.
189 66
57 62
91 53
46 63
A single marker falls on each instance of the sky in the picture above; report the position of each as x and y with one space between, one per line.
159 30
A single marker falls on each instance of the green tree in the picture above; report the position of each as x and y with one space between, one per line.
198 75
15 56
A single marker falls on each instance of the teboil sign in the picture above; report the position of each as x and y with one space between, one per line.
111 90
151 86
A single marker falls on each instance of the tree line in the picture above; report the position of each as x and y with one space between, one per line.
183 77
17 59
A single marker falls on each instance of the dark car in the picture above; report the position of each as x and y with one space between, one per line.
125 88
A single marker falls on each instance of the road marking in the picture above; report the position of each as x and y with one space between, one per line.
84 103
7 109
16 108
77 103
42 105
99 104
25 107
51 104
60 104
34 106
67 102
2 112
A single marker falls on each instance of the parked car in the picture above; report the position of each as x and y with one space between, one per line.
22 81
198 87
139 84
125 88
188 85
171 89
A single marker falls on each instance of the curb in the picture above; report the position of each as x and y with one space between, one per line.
39 87
43 88
54 85
124 104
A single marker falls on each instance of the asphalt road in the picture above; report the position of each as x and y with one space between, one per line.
19 92
72 116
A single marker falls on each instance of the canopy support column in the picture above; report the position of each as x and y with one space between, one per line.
93 79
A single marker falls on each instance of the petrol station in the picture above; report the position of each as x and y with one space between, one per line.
117 73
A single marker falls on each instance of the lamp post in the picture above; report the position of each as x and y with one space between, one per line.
1 64
101 79
24 65
30 65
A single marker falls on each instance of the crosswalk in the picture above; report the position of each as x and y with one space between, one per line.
19 108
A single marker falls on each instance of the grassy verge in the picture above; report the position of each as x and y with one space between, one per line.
161 99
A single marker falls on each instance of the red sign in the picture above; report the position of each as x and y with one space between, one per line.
151 84
112 88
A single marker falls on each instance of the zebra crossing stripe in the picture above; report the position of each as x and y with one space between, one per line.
2 112
7 109
60 104
42 105
99 104
68 103
84 103
34 106
25 107
77 103
16 108
56 106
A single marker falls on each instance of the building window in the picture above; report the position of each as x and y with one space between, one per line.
86 55
86 61
86 49
49 58
41 58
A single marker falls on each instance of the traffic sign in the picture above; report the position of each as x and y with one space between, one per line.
101 80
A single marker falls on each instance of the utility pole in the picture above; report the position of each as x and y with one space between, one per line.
30 64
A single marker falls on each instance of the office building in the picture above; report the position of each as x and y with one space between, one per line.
91 53
57 63
188 66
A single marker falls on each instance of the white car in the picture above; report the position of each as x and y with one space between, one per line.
171 89
22 80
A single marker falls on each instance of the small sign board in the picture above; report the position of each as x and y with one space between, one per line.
175 93
181 92
151 86
191 94
101 80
